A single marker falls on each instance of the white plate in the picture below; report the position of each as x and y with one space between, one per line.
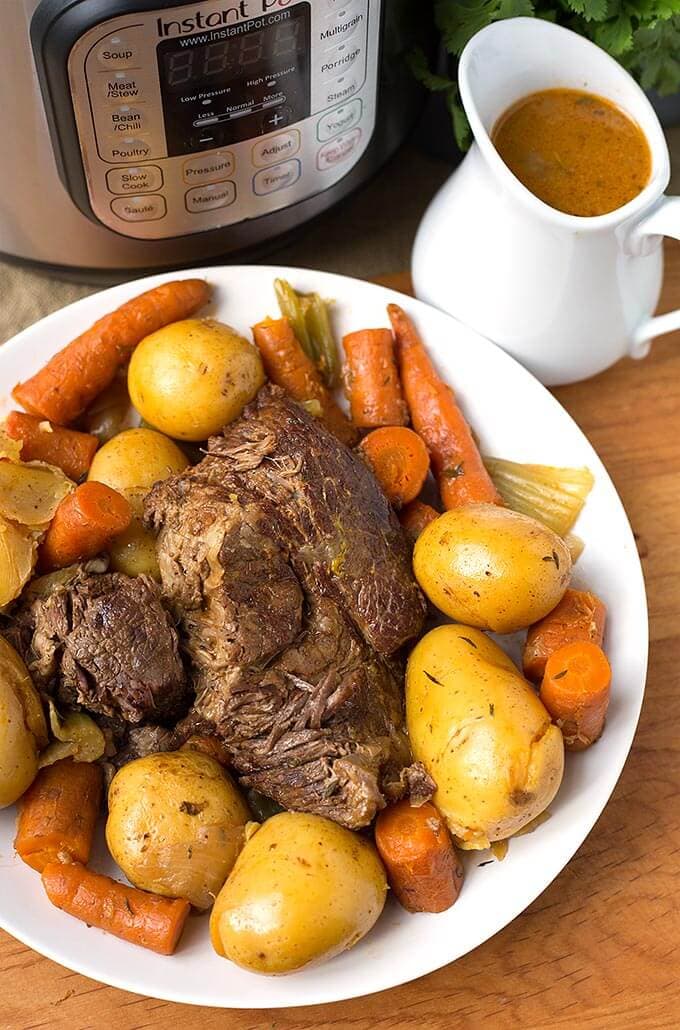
515 418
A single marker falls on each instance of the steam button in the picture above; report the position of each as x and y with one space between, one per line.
117 51
139 209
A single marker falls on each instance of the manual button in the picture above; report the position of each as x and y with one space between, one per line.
134 180
214 168
139 209
207 198
273 149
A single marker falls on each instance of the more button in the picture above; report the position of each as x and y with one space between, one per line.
275 148
139 209
276 178
209 169
134 180
207 198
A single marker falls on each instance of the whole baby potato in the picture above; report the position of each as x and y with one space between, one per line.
303 889
134 460
482 734
191 378
491 567
176 825
23 729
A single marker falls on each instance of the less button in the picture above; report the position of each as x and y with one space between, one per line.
272 150
207 198
134 180
139 209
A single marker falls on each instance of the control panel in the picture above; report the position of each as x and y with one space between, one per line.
195 117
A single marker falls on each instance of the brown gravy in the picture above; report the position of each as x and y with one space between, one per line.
574 150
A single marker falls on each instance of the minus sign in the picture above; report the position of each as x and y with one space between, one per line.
206 139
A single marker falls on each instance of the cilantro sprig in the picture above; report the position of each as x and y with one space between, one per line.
644 35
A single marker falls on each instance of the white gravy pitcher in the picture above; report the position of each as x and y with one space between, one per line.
566 295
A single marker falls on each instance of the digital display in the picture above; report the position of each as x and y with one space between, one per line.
236 82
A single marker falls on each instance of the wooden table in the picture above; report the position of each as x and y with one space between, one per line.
601 947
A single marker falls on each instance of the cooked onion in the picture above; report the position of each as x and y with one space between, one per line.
31 493
18 550
77 736
554 496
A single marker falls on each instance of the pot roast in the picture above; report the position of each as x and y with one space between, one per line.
290 579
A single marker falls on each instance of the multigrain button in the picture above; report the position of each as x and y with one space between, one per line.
120 86
273 149
207 198
134 180
337 150
209 169
117 52
341 28
340 120
124 120
132 149
139 209
276 178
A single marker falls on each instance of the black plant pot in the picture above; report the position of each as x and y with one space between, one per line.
667 108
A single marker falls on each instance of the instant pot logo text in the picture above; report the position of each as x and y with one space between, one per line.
225 16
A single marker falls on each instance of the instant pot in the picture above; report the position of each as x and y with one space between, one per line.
144 136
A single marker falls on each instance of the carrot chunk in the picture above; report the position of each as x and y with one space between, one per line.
436 417
69 382
422 864
133 915
575 690
372 380
415 516
58 814
580 615
84 524
399 460
41 440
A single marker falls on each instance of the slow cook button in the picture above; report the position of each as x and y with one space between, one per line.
337 150
139 209
125 150
276 178
134 180
117 51
275 148
209 169
123 119
340 120
207 198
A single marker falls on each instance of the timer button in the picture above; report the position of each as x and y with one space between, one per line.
117 51
134 180
276 178
340 120
139 209
209 169
337 150
273 149
207 198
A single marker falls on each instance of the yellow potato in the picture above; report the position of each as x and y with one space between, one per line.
491 567
482 734
193 377
22 726
134 460
176 825
134 552
303 889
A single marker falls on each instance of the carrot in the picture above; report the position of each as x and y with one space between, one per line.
84 524
287 365
41 440
133 915
436 417
58 814
580 615
421 862
415 516
399 460
372 380
575 690
70 381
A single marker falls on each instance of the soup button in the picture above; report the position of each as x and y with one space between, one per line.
207 198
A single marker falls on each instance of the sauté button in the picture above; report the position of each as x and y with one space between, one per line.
340 120
134 180
273 149
276 178
207 198
213 168
139 209
337 150
117 51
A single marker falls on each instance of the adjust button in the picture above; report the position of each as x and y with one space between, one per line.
340 120
276 178
131 149
117 51
134 180
207 198
275 148
139 209
213 168
337 150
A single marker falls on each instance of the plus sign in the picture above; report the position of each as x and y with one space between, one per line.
275 119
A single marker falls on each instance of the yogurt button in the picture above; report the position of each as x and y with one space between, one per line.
139 209
340 120
337 150
276 178
275 148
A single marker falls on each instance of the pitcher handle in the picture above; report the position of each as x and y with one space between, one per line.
662 220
